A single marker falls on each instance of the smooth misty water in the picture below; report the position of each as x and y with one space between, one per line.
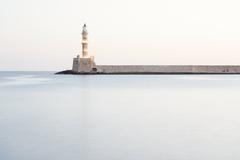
168 117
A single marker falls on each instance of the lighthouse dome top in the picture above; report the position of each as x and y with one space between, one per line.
84 28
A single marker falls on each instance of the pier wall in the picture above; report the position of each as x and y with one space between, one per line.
111 69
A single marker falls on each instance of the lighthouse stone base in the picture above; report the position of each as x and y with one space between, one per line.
85 65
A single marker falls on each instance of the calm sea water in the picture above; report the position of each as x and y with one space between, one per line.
127 117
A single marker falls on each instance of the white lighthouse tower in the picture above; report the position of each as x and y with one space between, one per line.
84 63
84 42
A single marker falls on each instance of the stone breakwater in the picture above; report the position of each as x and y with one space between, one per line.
160 69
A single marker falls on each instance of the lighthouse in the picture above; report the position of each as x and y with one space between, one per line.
84 63
84 41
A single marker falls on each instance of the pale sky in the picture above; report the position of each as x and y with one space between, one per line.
46 34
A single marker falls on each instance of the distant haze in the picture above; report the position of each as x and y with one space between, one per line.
46 34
